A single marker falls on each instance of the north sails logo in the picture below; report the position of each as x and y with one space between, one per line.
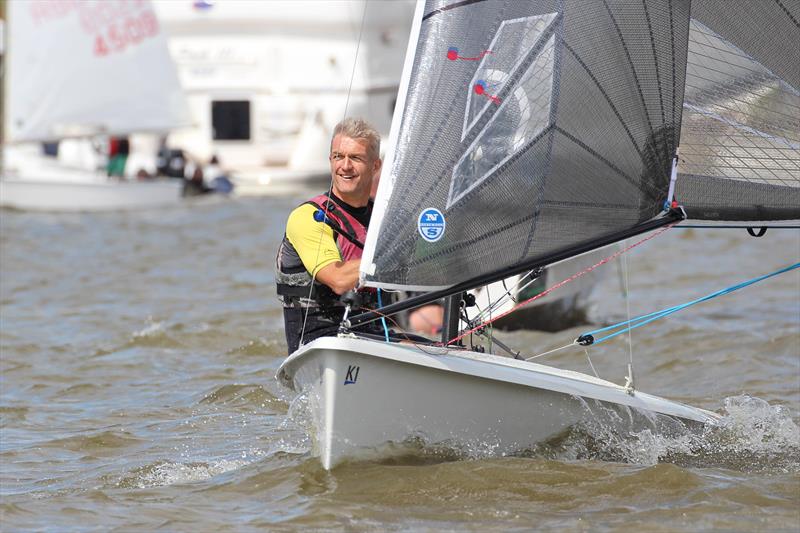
352 375
431 224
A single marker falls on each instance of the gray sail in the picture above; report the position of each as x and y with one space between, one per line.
740 140
527 127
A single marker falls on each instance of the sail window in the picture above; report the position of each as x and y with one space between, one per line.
522 116
514 41
230 120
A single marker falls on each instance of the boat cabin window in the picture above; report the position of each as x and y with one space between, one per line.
230 120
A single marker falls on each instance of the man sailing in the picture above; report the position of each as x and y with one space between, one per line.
319 257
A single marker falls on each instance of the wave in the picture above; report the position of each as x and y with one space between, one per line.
244 395
104 442
751 436
165 473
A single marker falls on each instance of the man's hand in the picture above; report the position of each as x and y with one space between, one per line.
340 276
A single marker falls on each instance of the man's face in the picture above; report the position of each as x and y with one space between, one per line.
352 169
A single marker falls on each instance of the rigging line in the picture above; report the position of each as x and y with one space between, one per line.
383 318
488 335
586 351
491 330
400 331
507 291
650 317
507 295
330 185
628 307
667 218
573 343
494 305
566 281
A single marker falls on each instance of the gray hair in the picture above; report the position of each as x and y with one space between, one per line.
357 128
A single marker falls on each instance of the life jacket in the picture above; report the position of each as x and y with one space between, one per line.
296 287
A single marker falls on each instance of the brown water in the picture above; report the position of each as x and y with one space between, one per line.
138 392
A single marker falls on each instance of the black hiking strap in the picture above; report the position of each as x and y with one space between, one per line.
322 294
301 291
291 290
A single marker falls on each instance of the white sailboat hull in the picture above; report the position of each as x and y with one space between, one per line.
44 195
363 394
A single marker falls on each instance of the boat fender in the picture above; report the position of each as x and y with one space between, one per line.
585 340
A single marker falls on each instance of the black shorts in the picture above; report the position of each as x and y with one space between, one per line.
319 326
315 326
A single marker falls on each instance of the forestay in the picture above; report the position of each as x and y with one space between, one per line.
525 129
78 68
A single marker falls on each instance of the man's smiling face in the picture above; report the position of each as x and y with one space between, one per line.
352 169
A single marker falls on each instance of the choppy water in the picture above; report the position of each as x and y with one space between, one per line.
138 392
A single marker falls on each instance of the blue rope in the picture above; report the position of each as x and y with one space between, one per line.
383 318
639 321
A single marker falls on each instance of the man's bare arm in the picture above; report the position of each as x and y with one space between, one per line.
340 276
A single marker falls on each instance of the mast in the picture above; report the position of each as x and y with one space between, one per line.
670 217
452 311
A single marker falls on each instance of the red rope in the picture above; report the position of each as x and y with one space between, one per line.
560 284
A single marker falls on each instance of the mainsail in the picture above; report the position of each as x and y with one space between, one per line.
77 68
528 129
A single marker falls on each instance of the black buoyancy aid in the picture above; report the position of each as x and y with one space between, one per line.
296 288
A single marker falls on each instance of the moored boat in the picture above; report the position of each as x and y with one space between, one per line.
84 195
74 72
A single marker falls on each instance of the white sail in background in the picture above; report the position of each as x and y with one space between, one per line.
77 68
